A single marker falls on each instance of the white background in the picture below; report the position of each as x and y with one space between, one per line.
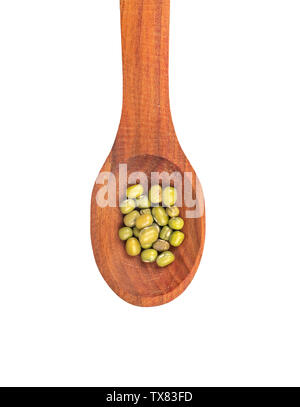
235 96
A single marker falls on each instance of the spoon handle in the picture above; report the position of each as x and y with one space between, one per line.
145 55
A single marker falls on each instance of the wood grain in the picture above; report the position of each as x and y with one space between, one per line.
146 141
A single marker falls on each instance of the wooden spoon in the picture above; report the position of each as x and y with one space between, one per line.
146 141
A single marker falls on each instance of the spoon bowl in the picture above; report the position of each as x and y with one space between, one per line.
136 282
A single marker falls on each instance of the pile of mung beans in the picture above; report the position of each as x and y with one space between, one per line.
152 224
